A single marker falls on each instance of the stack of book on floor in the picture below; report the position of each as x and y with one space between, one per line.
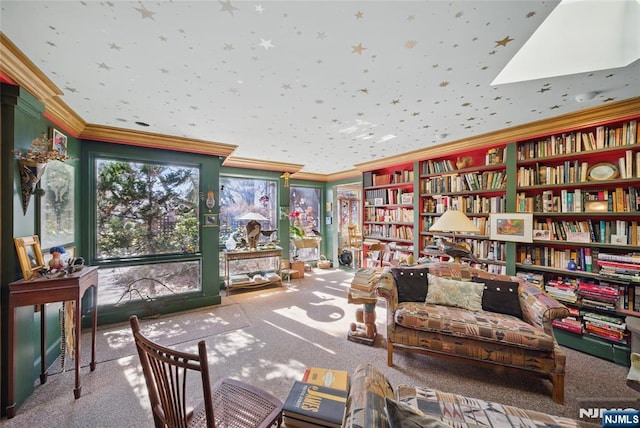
605 327
365 279
319 400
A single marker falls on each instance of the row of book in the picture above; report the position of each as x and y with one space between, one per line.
573 172
371 179
617 232
470 182
558 258
469 204
388 231
390 215
578 200
318 400
388 197
493 156
573 142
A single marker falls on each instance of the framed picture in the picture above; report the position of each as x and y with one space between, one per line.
59 141
516 227
210 220
406 199
29 255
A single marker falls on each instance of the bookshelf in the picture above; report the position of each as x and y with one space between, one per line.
474 183
577 174
388 212
582 187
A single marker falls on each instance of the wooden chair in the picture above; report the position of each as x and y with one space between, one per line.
380 255
229 403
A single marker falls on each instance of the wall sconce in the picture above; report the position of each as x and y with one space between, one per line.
285 177
211 200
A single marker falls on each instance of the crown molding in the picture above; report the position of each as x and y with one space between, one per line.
20 69
615 111
238 162
159 141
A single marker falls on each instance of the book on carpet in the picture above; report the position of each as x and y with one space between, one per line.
337 379
316 404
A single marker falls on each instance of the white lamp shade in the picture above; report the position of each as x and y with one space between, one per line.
454 221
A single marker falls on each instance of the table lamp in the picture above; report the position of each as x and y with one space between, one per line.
454 221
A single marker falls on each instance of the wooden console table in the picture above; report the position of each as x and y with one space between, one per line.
42 290
274 254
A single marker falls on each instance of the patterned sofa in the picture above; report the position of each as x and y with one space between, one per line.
373 403
512 331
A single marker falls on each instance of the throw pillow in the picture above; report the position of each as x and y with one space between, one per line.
411 283
500 296
403 415
450 292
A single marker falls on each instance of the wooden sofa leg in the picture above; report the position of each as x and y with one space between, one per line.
558 388
389 354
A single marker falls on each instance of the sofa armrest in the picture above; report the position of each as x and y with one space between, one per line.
366 400
538 309
387 289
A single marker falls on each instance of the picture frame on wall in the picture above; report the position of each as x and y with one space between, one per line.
59 141
210 220
515 227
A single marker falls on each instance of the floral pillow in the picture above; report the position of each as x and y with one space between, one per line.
450 292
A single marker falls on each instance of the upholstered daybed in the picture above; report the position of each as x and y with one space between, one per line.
481 318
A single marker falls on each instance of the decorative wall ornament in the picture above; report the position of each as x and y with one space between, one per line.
33 162
285 177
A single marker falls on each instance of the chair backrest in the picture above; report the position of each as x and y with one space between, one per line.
165 373
379 253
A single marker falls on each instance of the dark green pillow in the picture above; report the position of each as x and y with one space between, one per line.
500 296
412 284
402 415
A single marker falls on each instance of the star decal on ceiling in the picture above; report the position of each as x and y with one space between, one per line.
259 8
530 14
162 38
395 102
443 84
322 35
359 15
364 91
146 13
266 44
227 6
503 42
410 44
358 48
228 47
114 46
543 90
104 66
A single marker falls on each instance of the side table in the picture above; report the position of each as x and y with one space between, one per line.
42 290
364 329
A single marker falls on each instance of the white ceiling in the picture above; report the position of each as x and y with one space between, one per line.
327 84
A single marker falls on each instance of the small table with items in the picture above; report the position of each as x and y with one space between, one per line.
42 290
364 329
270 278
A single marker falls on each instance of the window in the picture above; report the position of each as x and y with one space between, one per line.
145 211
239 197
305 216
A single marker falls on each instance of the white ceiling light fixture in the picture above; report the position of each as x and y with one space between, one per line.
578 36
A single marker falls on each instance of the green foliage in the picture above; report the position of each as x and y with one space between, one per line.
145 209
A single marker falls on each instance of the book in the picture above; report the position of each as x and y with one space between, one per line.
316 404
337 379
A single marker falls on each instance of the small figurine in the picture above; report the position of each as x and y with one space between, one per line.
56 263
